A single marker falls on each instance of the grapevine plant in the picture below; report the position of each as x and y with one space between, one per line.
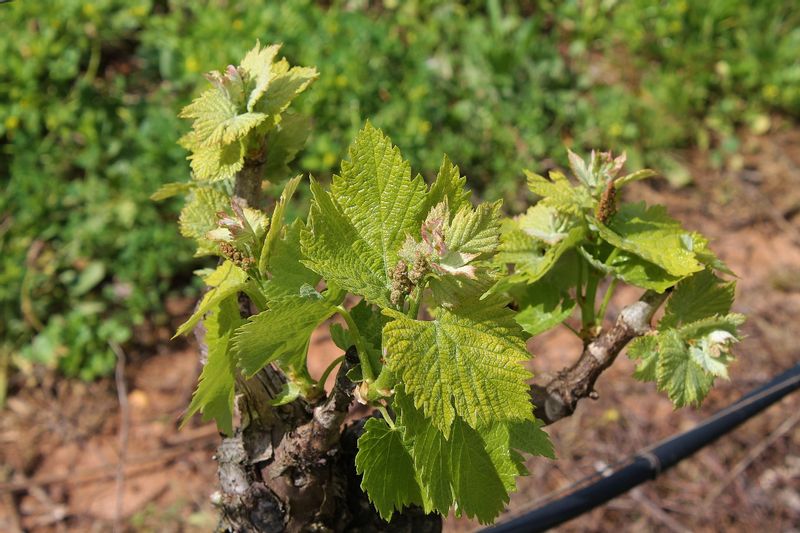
436 298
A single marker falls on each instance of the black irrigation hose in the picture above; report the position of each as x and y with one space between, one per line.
652 461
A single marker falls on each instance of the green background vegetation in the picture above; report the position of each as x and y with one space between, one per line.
89 92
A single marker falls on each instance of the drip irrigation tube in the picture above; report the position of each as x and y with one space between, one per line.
652 461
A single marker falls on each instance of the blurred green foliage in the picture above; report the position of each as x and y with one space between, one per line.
90 89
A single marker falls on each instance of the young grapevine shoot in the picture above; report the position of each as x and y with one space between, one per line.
449 292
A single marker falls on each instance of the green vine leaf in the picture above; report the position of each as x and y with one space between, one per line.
558 193
700 296
215 390
276 226
225 281
450 187
282 332
465 364
652 235
684 361
475 469
356 230
388 472
542 306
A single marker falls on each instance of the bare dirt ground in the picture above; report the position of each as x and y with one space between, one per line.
62 468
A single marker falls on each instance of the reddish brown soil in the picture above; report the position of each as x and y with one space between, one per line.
59 440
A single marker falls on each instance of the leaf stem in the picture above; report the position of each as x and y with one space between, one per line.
589 297
579 287
607 298
324 377
416 300
573 330
386 416
366 367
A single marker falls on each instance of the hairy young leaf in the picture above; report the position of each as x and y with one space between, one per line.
216 163
257 65
474 231
225 281
215 390
286 84
449 186
679 374
388 472
558 193
199 216
465 364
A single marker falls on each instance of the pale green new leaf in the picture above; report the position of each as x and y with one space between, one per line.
282 332
645 349
559 193
531 258
652 235
700 296
356 231
199 216
474 231
461 364
286 84
449 186
216 163
225 281
216 387
679 374
388 472
283 142
258 65
545 223
168 190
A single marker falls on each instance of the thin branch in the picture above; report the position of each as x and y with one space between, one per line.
559 397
